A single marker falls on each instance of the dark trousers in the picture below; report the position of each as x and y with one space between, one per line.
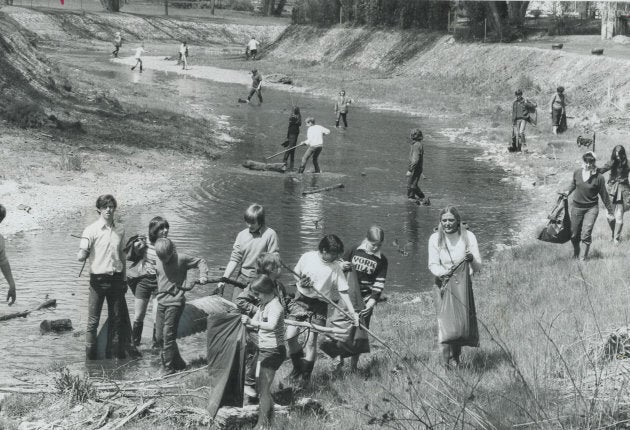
582 223
166 324
251 358
413 190
311 152
110 288
116 49
290 155
255 91
341 115
138 61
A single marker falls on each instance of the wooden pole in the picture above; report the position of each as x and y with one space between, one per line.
285 150
166 7
319 190
346 314
212 7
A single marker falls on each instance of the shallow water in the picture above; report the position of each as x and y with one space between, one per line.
369 158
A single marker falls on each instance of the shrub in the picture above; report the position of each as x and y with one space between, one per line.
70 161
78 388
25 114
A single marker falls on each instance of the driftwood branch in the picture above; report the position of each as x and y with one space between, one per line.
46 304
121 423
257 165
319 190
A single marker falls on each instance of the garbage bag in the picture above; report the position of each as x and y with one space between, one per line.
456 314
195 315
226 360
558 228
356 340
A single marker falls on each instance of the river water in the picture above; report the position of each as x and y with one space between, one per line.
369 158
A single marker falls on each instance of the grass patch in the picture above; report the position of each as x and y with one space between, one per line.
19 406
78 388
70 162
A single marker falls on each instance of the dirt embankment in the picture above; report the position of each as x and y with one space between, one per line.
64 26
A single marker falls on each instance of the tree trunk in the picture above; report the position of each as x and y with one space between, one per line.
516 12
495 19
612 24
212 7
111 5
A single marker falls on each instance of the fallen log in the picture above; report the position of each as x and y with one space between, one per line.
46 304
319 190
257 165
56 326
121 423
233 418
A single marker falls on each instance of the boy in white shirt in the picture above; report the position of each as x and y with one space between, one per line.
315 142
183 55
318 273
252 48
139 51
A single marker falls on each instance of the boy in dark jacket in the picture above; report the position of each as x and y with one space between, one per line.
416 156
520 117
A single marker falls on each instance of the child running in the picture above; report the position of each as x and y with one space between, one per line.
318 272
269 320
139 51
171 269
247 302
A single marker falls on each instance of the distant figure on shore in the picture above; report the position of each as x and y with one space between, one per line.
117 44
103 242
452 250
587 184
618 188
341 108
295 121
521 110
252 48
315 142
183 55
557 108
4 263
414 170
139 51
256 86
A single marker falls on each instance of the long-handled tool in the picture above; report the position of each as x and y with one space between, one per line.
214 281
285 150
346 314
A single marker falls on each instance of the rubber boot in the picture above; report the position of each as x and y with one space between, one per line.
585 252
296 359
617 234
136 333
612 229
576 247
90 351
307 369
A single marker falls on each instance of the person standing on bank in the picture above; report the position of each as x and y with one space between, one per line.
370 266
103 242
341 108
252 48
557 108
256 86
117 44
295 122
183 55
250 243
416 160
5 267
587 184
520 116
449 246
315 143
618 188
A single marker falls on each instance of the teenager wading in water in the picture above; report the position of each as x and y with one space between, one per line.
618 188
295 121
416 159
587 184
142 277
139 51
341 108
102 242
451 245
318 273
256 86
315 143
5 267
